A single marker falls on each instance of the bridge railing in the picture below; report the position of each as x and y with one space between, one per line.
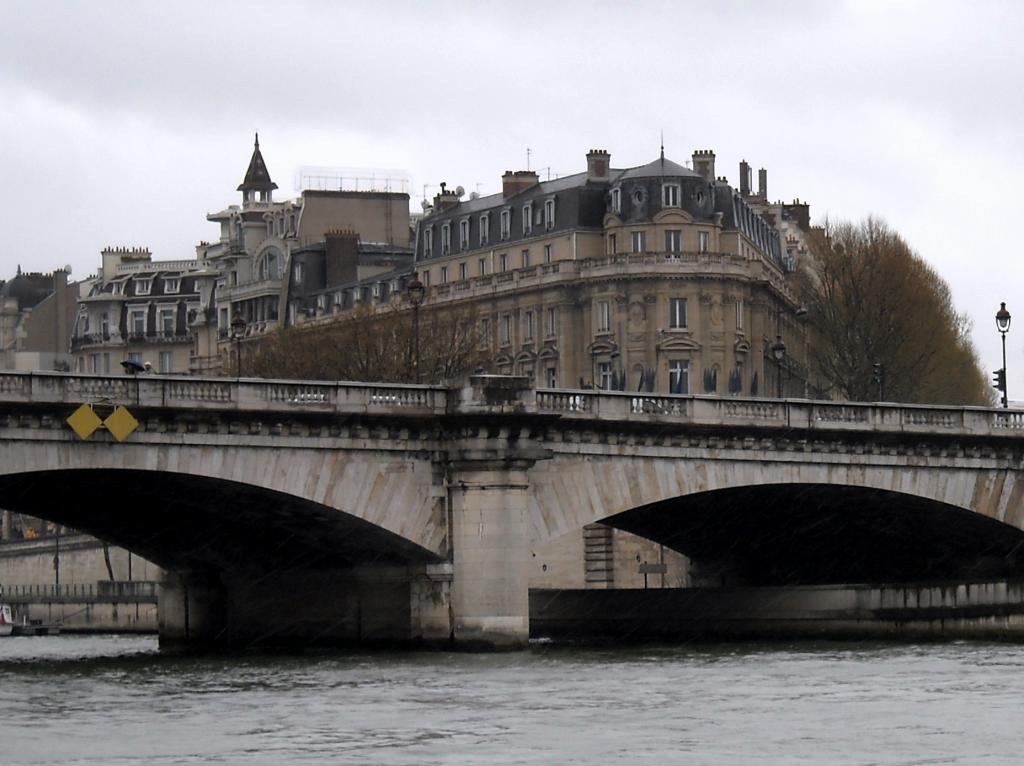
780 413
220 393
289 396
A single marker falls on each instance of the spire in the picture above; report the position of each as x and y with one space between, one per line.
663 151
257 177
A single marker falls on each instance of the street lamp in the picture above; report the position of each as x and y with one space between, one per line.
1003 325
415 290
237 331
778 349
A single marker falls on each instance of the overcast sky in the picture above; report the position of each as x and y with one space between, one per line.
125 123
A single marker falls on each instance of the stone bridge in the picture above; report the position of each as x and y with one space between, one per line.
346 511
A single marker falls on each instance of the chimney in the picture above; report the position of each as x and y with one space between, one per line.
598 165
341 256
762 184
704 163
521 180
744 178
445 199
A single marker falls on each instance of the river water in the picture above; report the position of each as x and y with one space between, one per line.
116 700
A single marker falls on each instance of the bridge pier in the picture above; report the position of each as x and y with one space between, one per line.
192 611
490 546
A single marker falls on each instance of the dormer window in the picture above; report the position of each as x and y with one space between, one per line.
446 238
616 200
506 223
172 284
428 241
670 195
464 234
549 214
527 219
485 229
117 288
143 286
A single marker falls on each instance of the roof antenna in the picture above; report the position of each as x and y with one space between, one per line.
663 147
257 139
528 153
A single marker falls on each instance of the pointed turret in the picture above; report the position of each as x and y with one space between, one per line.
257 178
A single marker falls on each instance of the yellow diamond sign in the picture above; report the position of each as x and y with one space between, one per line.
84 421
121 423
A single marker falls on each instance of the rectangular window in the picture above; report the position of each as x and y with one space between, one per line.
527 219
549 214
526 259
506 329
297 272
426 278
547 253
528 326
616 201
446 239
677 313
464 234
702 241
135 356
444 275
551 377
95 362
604 375
138 322
428 241
612 244
171 285
604 316
166 361
739 315
104 324
506 223
463 271
639 241
673 241
485 229
167 322
551 330
143 286
481 266
679 376
106 362
503 262
670 195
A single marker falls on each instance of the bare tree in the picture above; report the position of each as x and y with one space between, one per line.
372 345
873 301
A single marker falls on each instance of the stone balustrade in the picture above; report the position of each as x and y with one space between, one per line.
258 395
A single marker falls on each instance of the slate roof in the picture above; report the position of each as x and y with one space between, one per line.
257 177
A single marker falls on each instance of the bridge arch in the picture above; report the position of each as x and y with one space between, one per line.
385 501
817 520
187 522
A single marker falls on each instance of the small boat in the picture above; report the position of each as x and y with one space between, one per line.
6 620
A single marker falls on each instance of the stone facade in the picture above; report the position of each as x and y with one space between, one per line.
657 278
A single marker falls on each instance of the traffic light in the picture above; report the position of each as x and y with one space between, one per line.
999 380
878 378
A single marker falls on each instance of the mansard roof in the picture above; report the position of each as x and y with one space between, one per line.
257 177
660 167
